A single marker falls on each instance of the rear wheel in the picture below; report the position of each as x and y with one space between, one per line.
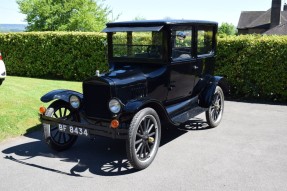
56 139
144 138
215 111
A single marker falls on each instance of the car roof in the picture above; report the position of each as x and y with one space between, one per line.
147 23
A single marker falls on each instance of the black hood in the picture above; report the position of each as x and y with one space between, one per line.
127 75
137 81
129 82
126 83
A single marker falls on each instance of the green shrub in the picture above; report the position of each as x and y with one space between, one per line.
256 66
57 55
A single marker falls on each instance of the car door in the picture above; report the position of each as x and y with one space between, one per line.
206 49
184 67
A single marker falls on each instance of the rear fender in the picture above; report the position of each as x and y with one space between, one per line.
60 95
206 95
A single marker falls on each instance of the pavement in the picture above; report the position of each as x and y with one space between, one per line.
247 151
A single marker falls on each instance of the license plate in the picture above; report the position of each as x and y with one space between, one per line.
73 130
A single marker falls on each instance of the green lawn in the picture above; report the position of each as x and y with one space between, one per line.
20 102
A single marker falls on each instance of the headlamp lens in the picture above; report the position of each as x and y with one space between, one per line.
114 106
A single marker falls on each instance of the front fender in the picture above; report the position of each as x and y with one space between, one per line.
60 95
136 105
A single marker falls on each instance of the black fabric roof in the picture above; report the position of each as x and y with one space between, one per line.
132 29
148 23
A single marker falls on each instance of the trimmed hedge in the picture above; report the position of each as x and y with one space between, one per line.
255 66
54 55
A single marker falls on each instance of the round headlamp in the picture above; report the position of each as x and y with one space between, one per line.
75 101
114 106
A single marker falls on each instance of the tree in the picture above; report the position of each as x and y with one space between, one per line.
64 15
228 29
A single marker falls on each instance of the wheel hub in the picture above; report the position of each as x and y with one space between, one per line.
217 106
146 138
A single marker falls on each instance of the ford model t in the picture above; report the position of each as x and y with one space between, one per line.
160 75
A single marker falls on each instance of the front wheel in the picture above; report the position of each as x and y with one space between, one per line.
144 138
215 111
56 139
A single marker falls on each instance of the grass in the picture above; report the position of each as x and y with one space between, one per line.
20 102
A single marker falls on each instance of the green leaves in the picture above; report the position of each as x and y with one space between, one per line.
255 65
64 15
54 55
227 29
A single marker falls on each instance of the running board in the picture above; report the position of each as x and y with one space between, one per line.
181 118
182 112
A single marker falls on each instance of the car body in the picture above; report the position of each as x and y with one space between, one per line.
160 75
2 70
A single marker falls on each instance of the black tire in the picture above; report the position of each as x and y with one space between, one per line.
215 111
55 139
144 138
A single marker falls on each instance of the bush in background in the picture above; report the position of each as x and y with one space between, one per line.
255 66
54 55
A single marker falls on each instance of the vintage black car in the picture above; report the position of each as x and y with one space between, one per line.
160 75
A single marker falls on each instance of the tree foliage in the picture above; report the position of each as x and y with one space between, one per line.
227 28
64 15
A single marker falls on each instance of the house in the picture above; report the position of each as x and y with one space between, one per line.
272 21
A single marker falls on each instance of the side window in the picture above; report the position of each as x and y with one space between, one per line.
181 48
204 40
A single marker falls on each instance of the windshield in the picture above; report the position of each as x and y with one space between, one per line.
137 45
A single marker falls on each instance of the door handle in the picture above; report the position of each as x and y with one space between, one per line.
171 86
195 67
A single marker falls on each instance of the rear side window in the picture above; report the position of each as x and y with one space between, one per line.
204 40
182 44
